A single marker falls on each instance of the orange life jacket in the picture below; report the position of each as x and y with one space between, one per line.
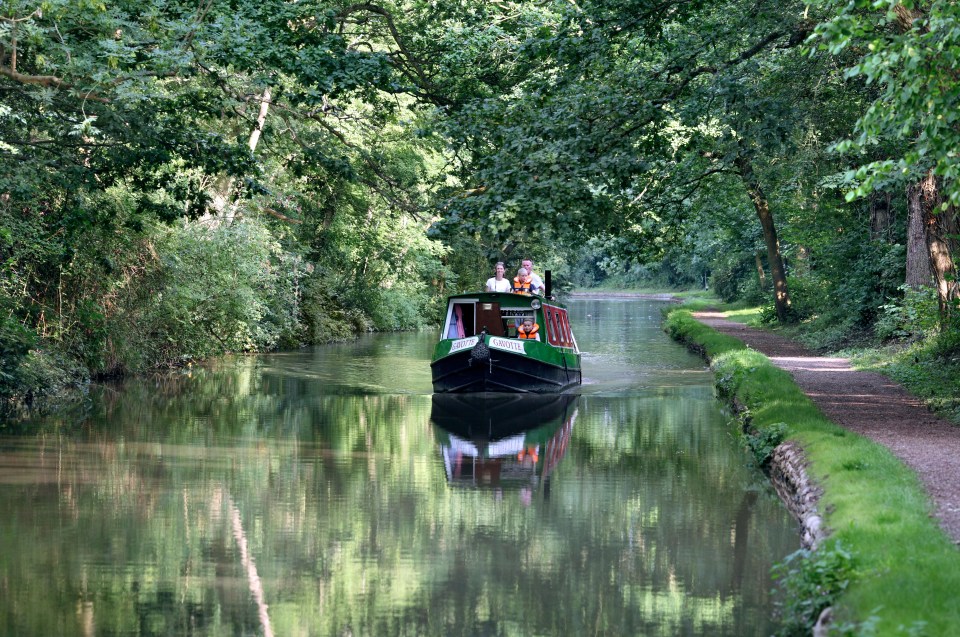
521 287
531 334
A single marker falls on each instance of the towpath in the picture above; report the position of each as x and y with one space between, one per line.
872 405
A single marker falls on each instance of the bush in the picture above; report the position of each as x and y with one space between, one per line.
392 309
734 278
15 344
763 442
324 317
809 582
202 291
912 315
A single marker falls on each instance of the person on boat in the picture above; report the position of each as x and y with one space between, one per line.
535 281
529 329
498 283
521 282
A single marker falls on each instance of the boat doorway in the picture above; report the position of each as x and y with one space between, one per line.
488 318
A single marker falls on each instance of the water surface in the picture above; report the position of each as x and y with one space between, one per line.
326 492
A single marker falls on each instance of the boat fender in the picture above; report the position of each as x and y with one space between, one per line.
480 352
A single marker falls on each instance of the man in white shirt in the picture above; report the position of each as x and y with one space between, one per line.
536 283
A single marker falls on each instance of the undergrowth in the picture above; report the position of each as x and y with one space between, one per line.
808 582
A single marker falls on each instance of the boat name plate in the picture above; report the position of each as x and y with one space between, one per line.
463 343
507 344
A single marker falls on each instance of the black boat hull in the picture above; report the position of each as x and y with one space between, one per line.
502 372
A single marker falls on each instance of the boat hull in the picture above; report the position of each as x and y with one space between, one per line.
538 369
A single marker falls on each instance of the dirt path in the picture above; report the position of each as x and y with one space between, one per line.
871 405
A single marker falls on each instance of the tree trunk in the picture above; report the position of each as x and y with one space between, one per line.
940 226
919 274
781 296
222 194
758 261
881 216
261 120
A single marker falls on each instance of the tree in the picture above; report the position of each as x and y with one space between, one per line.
908 51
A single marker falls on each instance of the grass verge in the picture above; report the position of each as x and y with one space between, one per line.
900 572
925 372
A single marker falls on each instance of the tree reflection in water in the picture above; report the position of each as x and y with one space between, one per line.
304 492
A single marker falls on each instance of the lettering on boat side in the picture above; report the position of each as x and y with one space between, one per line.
507 344
463 343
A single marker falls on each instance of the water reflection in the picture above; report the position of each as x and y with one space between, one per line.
503 440
324 492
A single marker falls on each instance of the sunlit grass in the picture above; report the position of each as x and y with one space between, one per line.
748 315
906 569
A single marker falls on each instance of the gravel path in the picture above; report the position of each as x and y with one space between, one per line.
871 405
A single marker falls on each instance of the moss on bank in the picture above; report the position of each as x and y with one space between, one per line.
900 571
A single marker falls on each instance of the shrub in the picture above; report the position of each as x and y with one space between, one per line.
809 582
734 278
15 344
324 317
913 314
763 441
202 291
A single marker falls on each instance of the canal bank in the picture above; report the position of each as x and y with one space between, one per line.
885 565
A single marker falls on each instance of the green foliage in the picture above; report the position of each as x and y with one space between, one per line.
15 344
324 316
763 442
121 121
912 314
219 293
809 582
734 277
908 51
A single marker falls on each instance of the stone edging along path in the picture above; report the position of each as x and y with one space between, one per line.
868 404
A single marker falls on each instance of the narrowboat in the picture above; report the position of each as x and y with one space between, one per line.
482 347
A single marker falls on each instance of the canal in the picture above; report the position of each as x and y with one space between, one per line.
326 492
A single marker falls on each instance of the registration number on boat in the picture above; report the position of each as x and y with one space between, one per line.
463 343
507 344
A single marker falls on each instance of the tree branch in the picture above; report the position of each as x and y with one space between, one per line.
46 80
415 72
279 215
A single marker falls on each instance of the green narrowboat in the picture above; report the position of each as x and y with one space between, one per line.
482 347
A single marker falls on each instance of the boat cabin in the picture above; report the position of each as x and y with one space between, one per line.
502 313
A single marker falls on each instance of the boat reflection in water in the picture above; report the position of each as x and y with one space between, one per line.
503 440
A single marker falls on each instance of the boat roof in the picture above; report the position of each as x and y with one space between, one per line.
505 298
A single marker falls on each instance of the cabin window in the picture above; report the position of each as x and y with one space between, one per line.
565 327
558 326
512 318
515 322
550 327
565 330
